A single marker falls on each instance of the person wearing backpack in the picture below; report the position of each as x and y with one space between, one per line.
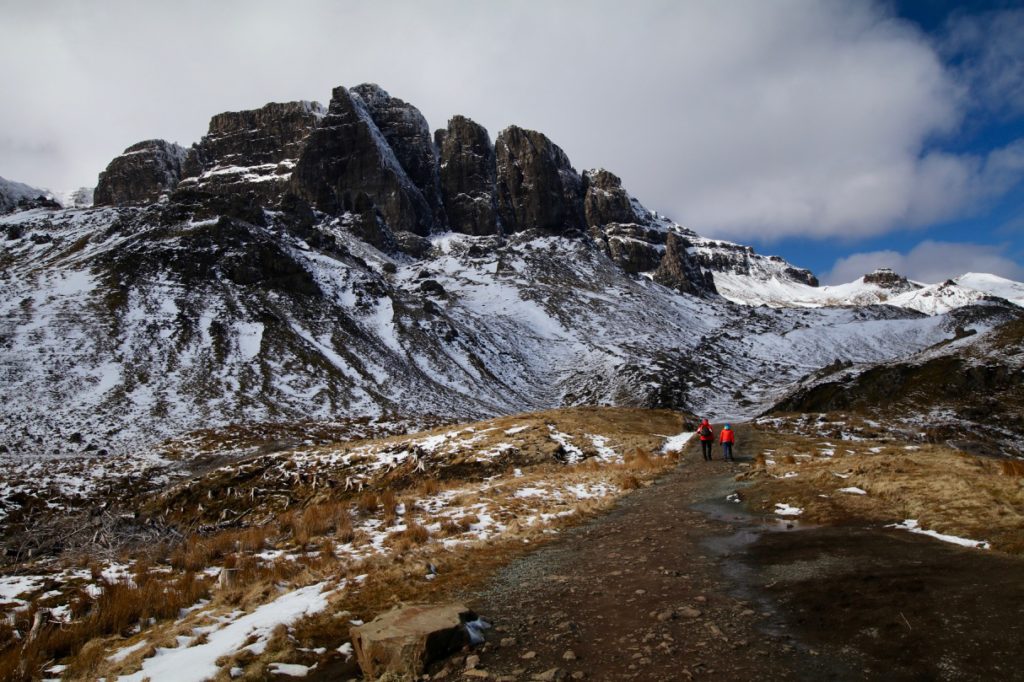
707 439
727 438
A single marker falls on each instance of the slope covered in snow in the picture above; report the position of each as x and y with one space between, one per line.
14 193
933 299
123 327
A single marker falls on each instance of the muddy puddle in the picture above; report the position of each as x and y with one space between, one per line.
870 603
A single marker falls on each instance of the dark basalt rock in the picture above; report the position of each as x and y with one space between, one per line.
631 246
408 135
681 271
230 249
537 187
467 171
348 167
802 275
605 201
887 279
140 175
251 151
412 244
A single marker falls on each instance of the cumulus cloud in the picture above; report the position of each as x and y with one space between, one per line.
929 262
740 119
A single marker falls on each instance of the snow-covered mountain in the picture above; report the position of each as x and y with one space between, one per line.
302 262
18 195
879 287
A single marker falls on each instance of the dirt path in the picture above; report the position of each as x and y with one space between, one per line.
675 584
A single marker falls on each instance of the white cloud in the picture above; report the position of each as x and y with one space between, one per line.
929 262
741 119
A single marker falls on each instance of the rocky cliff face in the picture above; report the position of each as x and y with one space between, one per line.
369 163
143 173
250 151
681 271
408 136
726 257
605 201
537 187
348 169
467 174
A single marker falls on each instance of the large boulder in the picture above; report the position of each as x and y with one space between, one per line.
681 271
467 170
347 167
404 640
408 135
605 201
143 173
251 151
631 246
537 187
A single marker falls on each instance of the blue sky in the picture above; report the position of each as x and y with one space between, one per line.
842 135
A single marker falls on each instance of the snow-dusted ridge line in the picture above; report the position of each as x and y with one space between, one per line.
934 299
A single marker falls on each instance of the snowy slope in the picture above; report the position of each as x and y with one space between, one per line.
933 299
124 327
11 193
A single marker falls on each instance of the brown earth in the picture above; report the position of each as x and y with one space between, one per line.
674 583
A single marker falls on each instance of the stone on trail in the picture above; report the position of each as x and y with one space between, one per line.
404 640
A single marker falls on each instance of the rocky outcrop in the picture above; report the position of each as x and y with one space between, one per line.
143 173
408 135
605 201
467 174
251 151
681 270
633 247
404 640
347 167
887 279
726 257
537 187
17 196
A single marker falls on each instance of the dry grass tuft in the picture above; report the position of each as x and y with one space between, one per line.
1013 467
116 611
945 490
366 503
428 487
389 503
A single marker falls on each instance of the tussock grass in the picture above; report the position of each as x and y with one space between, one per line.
323 511
119 607
946 490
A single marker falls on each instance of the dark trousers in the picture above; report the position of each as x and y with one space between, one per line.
705 446
727 450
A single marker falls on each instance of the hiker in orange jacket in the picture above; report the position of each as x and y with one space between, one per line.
707 439
727 438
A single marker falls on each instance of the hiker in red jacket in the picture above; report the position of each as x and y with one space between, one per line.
707 439
727 438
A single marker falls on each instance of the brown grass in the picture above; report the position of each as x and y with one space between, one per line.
414 535
945 490
366 502
1014 467
115 611
428 487
397 575
389 503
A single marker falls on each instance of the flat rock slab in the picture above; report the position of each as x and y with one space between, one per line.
404 640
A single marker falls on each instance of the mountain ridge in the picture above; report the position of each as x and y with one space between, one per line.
301 265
